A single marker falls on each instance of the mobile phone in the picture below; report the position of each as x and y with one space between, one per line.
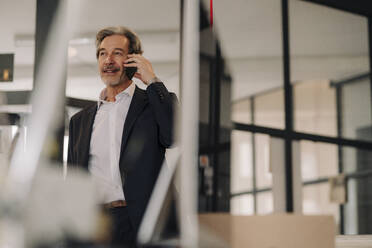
130 71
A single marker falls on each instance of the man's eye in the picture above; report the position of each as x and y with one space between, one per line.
101 53
118 53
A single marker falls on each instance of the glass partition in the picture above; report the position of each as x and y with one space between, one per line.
356 110
265 203
315 108
329 45
318 160
263 173
241 111
269 109
241 162
242 205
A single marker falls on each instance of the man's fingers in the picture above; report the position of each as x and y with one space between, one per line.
131 60
130 65
134 57
137 75
145 72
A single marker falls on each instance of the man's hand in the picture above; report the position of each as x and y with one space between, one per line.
145 72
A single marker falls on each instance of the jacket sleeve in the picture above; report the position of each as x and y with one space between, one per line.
165 105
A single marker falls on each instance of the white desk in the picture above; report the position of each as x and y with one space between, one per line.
354 241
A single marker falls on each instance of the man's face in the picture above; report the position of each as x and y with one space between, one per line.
112 53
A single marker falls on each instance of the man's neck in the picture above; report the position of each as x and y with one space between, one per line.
112 91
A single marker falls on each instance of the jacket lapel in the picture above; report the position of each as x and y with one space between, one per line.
87 133
137 104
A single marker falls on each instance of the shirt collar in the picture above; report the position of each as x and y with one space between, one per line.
129 91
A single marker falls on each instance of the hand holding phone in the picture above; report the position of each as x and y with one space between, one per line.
130 71
143 67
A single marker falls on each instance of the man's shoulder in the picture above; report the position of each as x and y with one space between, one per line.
89 109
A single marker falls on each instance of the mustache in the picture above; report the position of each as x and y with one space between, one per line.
111 68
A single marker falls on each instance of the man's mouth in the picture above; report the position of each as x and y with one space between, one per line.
111 70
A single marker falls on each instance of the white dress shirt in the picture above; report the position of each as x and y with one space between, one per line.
105 145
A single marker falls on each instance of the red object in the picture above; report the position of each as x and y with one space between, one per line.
211 12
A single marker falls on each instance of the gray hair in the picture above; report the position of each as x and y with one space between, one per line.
134 41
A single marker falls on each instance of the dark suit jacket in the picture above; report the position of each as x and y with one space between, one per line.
148 131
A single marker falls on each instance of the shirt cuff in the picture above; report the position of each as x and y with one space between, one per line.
153 80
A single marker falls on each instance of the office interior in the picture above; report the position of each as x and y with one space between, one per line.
274 75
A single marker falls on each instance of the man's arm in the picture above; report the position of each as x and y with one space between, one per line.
163 102
165 105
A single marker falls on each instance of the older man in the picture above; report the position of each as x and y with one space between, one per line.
122 139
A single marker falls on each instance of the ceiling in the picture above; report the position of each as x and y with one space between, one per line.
325 43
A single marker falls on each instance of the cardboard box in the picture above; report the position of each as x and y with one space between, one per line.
271 231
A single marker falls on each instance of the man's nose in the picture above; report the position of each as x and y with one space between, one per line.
109 59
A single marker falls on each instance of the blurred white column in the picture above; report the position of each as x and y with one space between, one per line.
189 123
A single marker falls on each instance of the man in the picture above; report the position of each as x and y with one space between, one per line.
122 139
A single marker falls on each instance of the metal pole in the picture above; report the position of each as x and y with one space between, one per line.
215 109
339 149
370 55
189 123
253 150
288 106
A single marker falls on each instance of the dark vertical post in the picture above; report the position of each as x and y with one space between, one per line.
339 148
211 139
288 106
254 183
212 201
215 109
45 12
370 54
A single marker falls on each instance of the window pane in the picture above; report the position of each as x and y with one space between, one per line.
356 160
262 148
358 208
316 201
242 205
265 203
356 110
315 107
318 160
359 198
241 162
269 109
241 111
